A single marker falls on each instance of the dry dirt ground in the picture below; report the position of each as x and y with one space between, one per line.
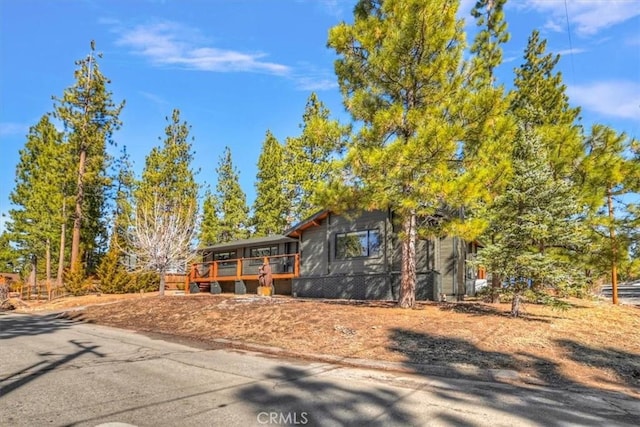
593 344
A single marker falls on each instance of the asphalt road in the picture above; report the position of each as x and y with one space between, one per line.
55 372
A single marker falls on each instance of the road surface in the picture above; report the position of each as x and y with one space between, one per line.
54 372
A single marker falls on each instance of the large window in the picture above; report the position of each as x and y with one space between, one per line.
221 256
261 252
225 259
358 244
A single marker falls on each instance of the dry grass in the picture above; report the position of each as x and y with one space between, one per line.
593 344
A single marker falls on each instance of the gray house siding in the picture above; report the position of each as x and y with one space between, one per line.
313 251
324 275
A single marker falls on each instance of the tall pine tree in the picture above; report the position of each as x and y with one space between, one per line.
611 175
165 212
210 226
539 99
168 169
90 117
535 231
42 188
271 205
309 158
496 127
401 74
226 215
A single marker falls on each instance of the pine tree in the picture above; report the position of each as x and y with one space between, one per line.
309 158
271 205
9 256
610 174
164 216
232 202
210 226
489 15
123 186
401 74
539 99
42 182
496 127
168 168
535 229
89 116
113 276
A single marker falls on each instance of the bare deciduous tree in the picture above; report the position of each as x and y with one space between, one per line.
161 234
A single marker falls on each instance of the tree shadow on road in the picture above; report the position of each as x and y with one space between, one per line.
459 360
17 325
17 379
292 394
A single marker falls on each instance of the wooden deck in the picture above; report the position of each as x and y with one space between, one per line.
282 267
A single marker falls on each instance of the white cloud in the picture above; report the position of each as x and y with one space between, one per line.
573 51
619 99
315 83
153 98
171 44
586 17
12 129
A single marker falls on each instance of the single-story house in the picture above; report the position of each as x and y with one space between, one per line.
332 255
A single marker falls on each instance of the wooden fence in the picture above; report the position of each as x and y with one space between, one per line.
42 291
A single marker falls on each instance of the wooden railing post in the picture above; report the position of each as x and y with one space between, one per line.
239 269
214 271
296 266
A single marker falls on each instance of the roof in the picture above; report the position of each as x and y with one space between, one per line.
254 241
312 221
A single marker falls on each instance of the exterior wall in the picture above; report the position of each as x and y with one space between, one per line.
452 265
313 250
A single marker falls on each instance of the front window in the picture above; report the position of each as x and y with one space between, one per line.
358 244
221 256
262 252
225 258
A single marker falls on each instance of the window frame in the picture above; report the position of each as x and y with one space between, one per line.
370 252
257 259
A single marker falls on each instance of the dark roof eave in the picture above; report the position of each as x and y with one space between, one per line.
309 222
244 243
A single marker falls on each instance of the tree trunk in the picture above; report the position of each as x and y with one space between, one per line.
495 287
162 283
63 232
614 249
515 304
48 263
77 220
33 276
407 297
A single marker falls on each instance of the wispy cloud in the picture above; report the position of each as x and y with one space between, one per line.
13 129
619 99
312 83
573 51
171 44
311 78
586 17
154 98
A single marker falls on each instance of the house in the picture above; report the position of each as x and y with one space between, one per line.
333 255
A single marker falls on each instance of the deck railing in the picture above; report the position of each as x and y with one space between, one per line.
282 267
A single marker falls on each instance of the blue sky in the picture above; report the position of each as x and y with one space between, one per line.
237 68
